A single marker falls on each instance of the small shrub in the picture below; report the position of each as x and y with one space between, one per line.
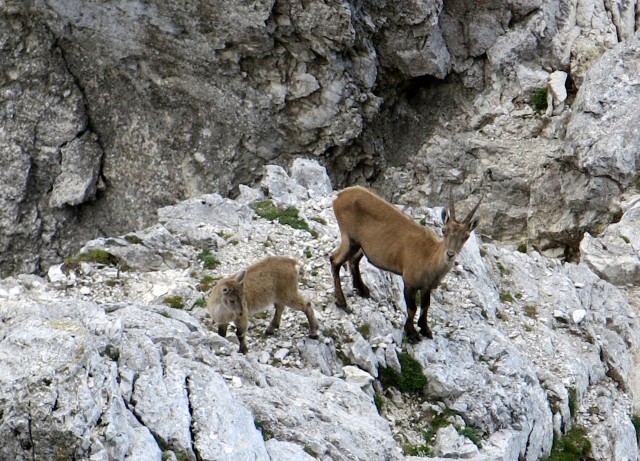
411 379
308 253
506 297
573 446
379 401
503 270
573 401
206 283
266 435
416 450
539 100
438 421
331 333
112 283
531 311
311 451
288 216
471 434
344 358
224 235
112 352
319 220
364 330
174 301
522 248
133 239
201 302
208 260
635 419
625 238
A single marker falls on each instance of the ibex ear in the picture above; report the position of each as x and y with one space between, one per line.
474 223
445 215
240 276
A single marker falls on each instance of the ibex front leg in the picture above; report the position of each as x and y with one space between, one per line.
410 301
425 302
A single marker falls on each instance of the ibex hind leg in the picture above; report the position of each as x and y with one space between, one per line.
275 323
301 304
354 267
347 250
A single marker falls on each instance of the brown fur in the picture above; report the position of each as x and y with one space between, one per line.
271 281
392 241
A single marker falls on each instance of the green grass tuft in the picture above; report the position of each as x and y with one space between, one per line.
209 261
133 239
506 297
539 100
206 283
174 301
94 256
288 216
364 330
411 379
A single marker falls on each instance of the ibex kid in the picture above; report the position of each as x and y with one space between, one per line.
273 280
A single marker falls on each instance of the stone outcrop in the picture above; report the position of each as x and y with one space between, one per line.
96 364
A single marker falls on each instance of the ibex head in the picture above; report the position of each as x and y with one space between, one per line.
226 298
457 232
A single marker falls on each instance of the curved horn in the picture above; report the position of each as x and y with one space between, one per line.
452 209
472 212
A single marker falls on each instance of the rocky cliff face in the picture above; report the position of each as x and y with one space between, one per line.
115 359
111 110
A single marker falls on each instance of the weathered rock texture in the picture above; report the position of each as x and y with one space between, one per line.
113 109
95 364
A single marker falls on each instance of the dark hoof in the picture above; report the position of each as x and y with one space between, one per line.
426 332
414 339
412 336
363 293
314 336
344 307
269 331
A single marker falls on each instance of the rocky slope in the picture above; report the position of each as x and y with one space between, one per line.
95 363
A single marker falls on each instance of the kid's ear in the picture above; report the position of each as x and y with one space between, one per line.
240 276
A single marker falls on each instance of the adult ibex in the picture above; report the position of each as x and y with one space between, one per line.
271 281
392 241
